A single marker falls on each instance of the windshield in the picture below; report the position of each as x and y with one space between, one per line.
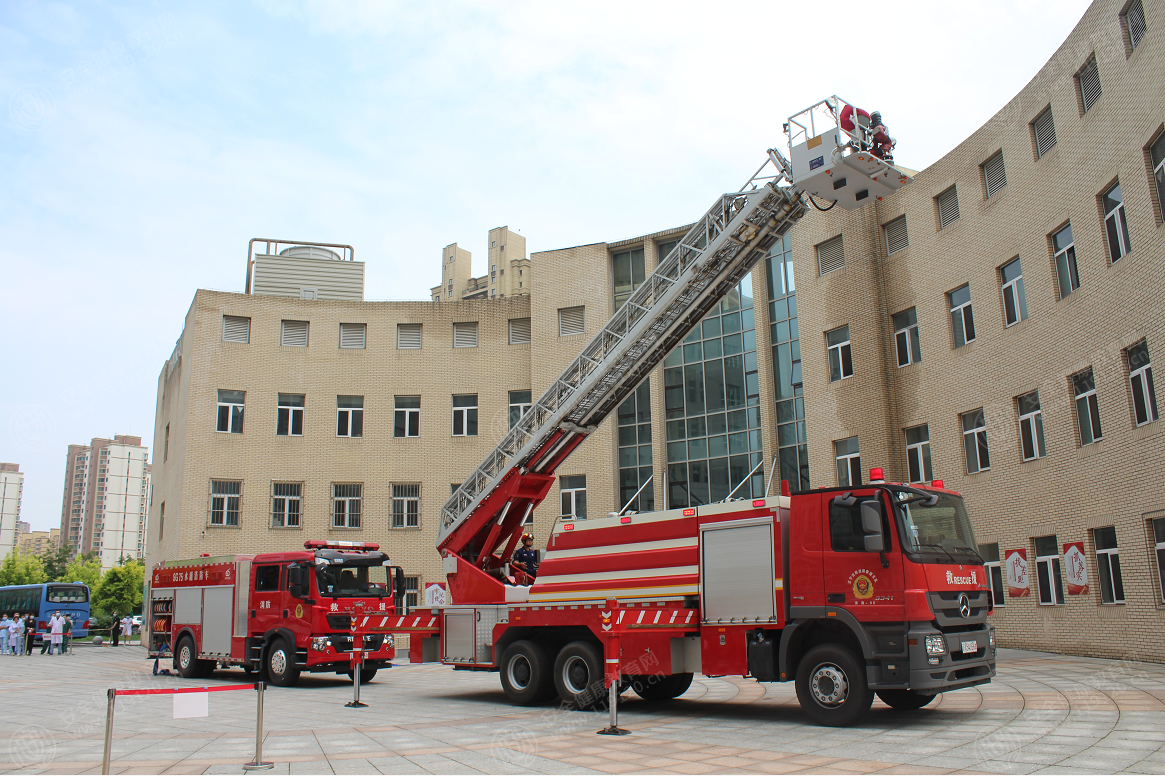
943 530
344 581
67 594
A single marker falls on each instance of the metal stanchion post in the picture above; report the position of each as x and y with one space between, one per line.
613 702
357 658
257 763
112 695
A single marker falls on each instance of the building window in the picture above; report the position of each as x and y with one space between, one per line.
962 320
166 445
519 403
1031 426
897 237
408 336
906 337
346 506
224 502
353 335
1088 82
849 462
1087 409
230 411
1014 299
571 321
406 506
574 496
236 329
1141 383
1157 156
1133 21
830 255
792 439
841 362
1115 226
519 331
948 207
1108 566
990 555
629 272
465 414
1044 132
918 453
412 592
664 249
1065 252
994 174
465 335
290 418
407 421
634 450
294 334
286 500
1048 578
350 416
1159 548
975 440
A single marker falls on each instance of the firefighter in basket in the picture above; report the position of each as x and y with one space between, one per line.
526 558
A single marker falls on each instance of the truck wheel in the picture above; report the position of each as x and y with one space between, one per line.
526 673
281 666
660 688
831 686
578 675
904 700
366 674
186 660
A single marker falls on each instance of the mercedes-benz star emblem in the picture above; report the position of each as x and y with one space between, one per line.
964 606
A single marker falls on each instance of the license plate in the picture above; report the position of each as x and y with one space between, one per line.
970 646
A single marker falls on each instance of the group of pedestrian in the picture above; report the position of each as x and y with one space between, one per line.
18 634
121 627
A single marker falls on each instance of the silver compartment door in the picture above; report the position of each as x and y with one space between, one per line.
188 606
460 644
736 571
217 611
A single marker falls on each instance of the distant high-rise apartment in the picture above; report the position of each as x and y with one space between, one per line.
508 272
11 488
39 542
106 496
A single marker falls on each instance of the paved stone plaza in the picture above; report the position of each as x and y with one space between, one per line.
1044 713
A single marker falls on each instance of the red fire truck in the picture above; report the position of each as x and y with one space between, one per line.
848 591
280 613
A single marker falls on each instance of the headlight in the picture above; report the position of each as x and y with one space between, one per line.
389 643
991 637
320 643
936 645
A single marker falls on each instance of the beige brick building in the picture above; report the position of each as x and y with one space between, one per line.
946 332
39 542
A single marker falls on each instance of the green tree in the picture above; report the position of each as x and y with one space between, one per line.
55 562
85 569
121 589
22 568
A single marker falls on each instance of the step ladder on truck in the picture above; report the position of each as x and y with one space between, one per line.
849 592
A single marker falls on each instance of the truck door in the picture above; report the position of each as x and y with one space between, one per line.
266 612
868 584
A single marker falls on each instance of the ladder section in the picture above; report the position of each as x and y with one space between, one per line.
711 259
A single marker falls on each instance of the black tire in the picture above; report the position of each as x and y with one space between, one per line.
661 688
527 673
280 662
578 675
186 661
904 700
366 674
831 686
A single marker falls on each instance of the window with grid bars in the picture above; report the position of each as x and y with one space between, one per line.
571 321
236 329
286 501
1134 19
353 335
406 505
830 255
294 334
408 336
465 335
224 502
948 207
1088 81
346 505
994 174
896 235
1045 132
519 331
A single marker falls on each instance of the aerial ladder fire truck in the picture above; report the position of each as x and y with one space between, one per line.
849 592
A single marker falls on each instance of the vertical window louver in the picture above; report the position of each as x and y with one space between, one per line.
465 335
236 329
1089 80
994 174
896 235
948 207
1045 132
830 255
519 331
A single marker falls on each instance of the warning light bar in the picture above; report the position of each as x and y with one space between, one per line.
568 526
760 502
689 512
624 520
937 484
326 544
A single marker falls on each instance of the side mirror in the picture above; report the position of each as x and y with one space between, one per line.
398 590
295 581
872 526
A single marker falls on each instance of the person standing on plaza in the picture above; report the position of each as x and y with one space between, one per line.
127 628
5 622
15 631
56 632
66 634
29 633
115 631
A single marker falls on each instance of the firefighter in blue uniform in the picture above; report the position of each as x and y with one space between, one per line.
527 557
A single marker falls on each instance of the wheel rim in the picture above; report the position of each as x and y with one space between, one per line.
576 675
519 672
278 662
829 686
184 656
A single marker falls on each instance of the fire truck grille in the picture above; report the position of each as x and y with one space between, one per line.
343 643
339 621
948 611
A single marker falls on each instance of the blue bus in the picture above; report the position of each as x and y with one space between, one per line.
71 598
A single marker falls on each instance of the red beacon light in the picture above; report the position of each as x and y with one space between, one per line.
323 544
938 484
877 475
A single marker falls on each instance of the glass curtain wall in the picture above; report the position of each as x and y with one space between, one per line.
635 450
792 447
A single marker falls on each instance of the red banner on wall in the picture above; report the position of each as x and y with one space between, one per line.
1075 568
1017 580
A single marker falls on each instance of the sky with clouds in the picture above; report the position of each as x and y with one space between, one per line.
143 144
